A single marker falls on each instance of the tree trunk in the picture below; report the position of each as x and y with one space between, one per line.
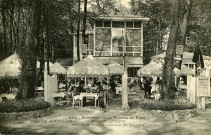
78 30
4 27
185 22
27 55
84 20
169 59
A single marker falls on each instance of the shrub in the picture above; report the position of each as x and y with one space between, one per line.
208 105
23 105
166 105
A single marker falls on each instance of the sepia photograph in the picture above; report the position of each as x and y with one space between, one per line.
105 67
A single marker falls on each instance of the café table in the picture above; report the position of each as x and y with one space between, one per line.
95 95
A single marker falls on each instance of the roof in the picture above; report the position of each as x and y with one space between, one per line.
185 71
10 67
187 61
88 66
154 68
115 68
12 59
187 57
122 17
57 68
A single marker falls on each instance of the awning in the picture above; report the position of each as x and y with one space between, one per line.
150 69
115 69
88 66
154 68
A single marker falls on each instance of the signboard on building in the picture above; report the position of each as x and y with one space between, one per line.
179 50
203 86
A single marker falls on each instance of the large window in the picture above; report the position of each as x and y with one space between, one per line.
112 38
103 42
133 42
117 41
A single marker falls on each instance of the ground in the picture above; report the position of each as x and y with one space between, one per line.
91 120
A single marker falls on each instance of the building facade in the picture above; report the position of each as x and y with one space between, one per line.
115 36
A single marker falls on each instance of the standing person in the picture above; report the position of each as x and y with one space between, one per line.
147 88
113 87
100 89
158 83
141 83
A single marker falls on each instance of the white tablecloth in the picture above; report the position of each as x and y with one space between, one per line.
89 95
8 96
59 94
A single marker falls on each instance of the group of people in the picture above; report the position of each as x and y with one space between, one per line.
76 90
146 85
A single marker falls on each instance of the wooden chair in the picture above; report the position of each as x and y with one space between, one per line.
76 98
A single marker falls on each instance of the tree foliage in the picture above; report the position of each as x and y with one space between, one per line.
154 30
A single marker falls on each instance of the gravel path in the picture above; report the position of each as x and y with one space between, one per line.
115 121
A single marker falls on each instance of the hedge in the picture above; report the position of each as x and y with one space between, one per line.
23 105
166 105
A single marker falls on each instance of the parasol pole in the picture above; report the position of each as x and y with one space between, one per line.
85 82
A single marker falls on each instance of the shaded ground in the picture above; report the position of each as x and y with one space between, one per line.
70 120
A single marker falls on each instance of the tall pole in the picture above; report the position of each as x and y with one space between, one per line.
124 77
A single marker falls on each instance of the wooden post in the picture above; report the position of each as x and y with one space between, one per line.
124 91
85 82
107 89
203 103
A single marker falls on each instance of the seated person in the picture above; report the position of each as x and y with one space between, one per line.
77 84
80 89
70 86
72 92
89 84
61 85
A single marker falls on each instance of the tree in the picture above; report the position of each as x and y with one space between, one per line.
169 59
84 20
154 30
200 27
78 30
27 54
185 22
